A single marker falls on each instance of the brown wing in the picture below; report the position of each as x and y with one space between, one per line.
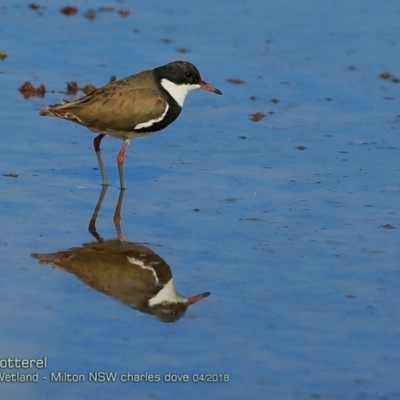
118 106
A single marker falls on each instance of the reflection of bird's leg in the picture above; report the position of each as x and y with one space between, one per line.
92 223
117 215
120 162
96 144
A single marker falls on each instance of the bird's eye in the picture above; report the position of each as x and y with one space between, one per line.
188 75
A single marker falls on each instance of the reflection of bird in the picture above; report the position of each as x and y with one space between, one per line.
127 271
134 106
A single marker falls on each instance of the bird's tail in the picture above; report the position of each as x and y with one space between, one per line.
60 111
48 112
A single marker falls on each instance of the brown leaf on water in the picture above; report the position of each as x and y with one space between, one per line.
69 10
28 90
89 88
182 49
11 175
257 116
385 75
123 12
72 88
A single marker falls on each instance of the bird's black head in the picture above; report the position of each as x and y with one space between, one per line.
180 73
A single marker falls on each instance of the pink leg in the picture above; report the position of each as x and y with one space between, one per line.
120 162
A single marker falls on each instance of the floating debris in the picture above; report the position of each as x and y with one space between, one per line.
301 147
257 116
275 100
236 81
90 14
385 75
72 88
253 98
28 90
182 49
3 55
34 6
89 88
166 40
389 226
69 10
11 175
123 12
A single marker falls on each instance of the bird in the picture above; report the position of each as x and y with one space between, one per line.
135 106
129 272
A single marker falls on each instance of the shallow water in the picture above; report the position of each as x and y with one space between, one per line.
291 222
